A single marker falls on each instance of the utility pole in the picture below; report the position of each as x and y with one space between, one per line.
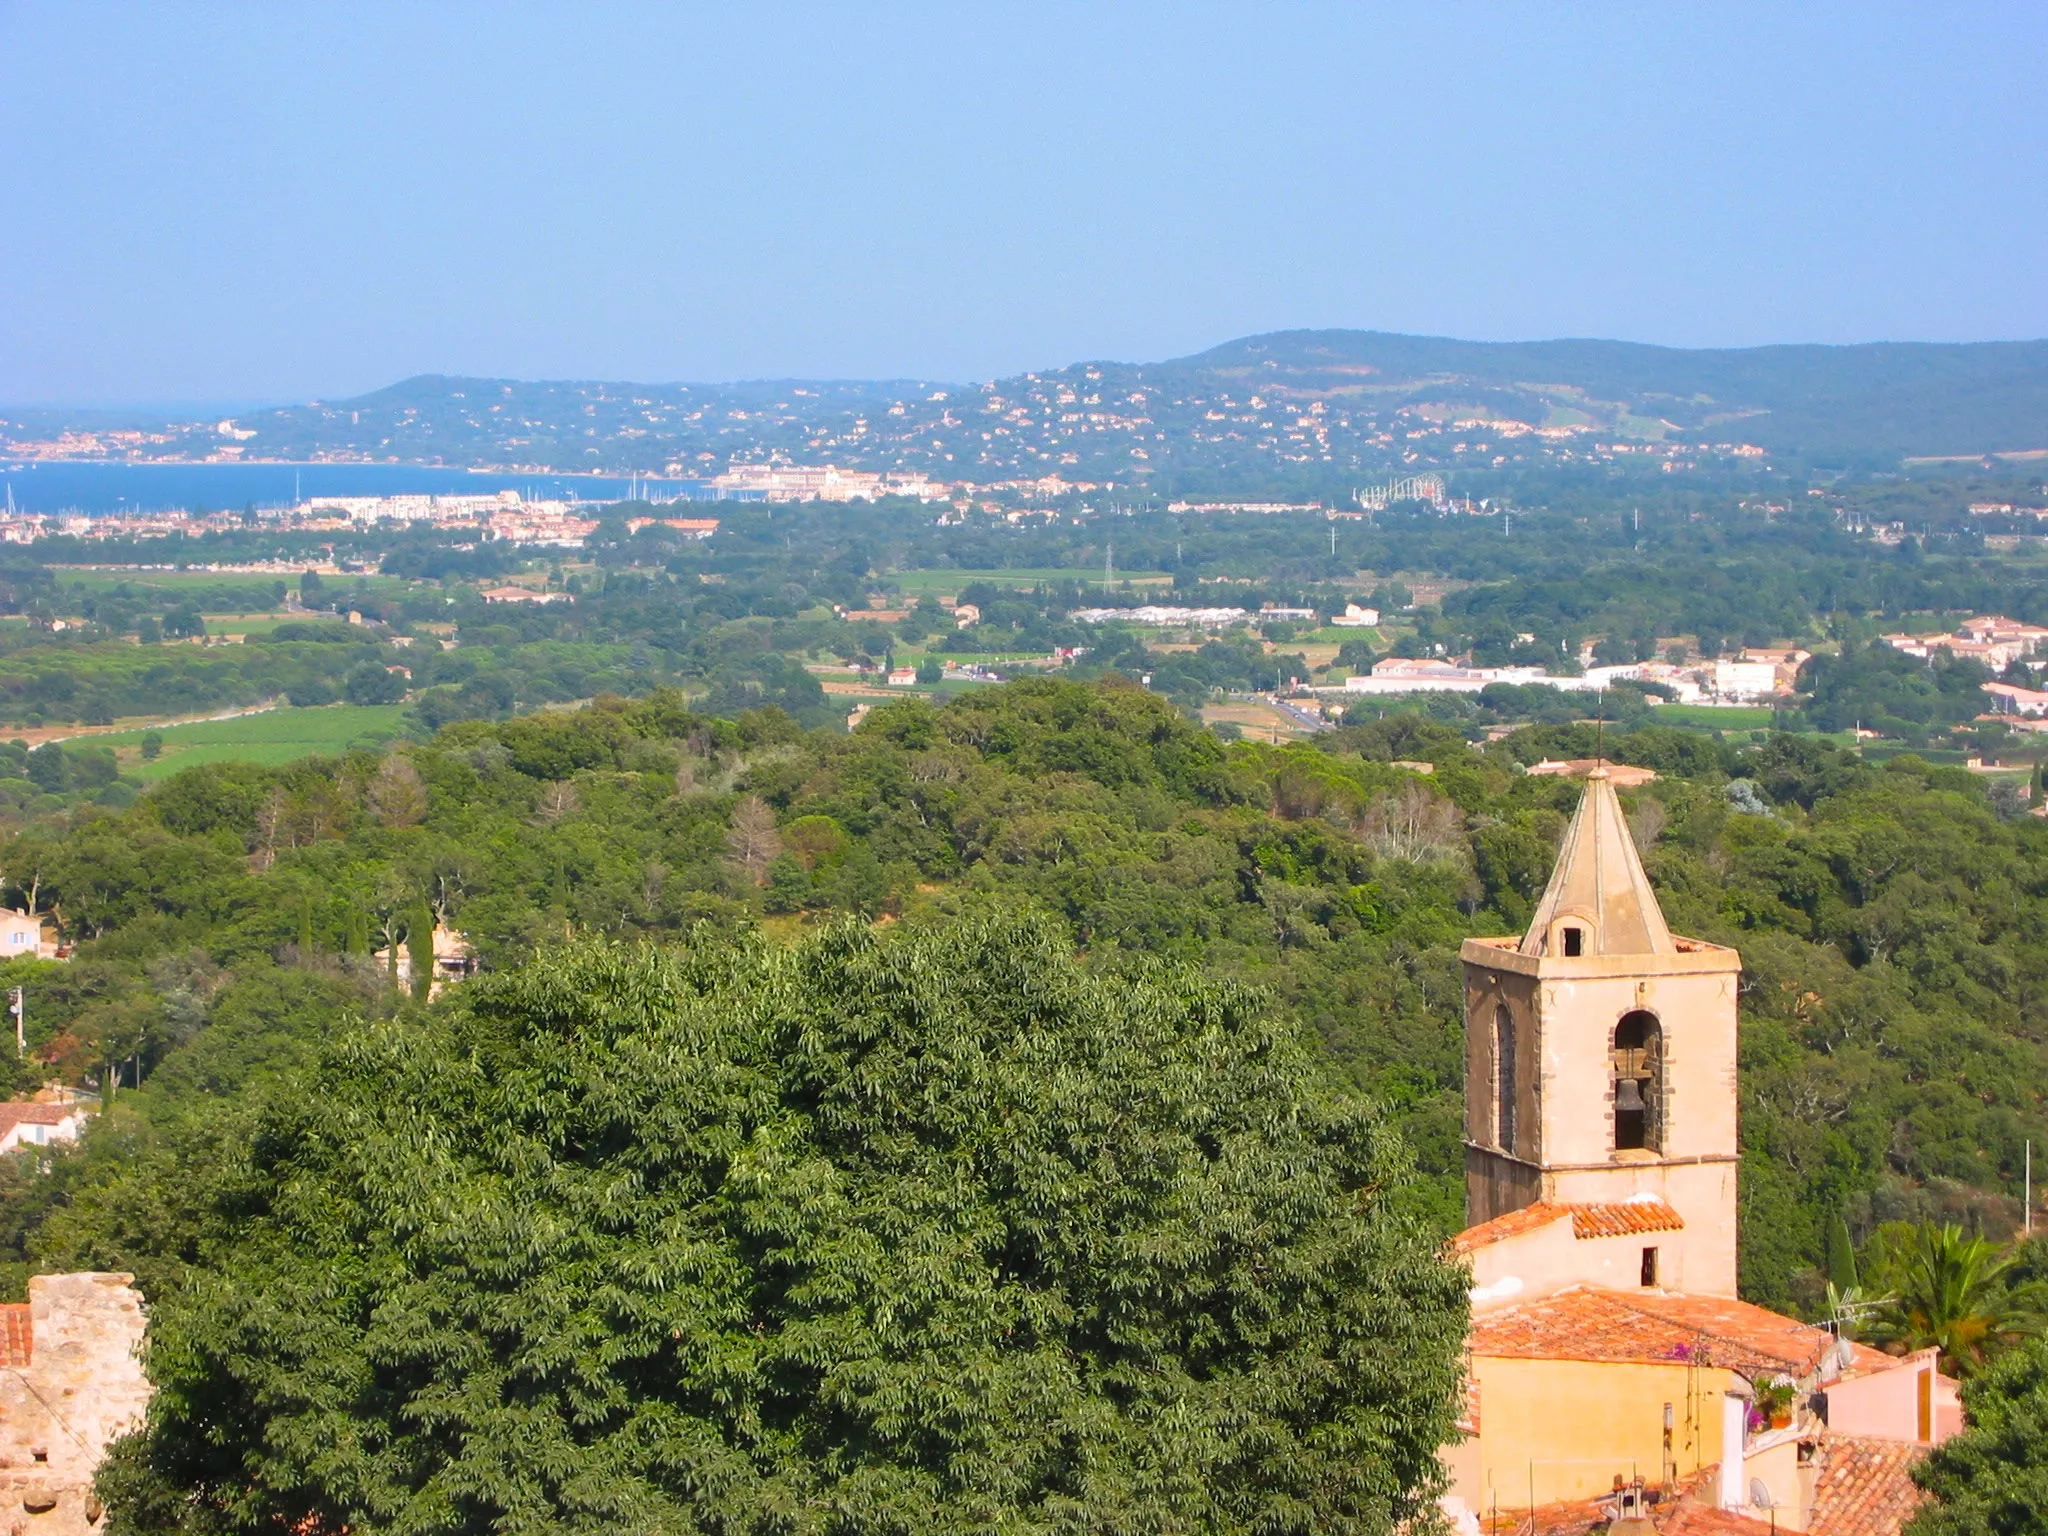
2027 1220
19 1008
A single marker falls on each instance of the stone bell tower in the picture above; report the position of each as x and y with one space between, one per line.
1600 1057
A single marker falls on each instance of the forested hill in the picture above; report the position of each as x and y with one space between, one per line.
1315 410
1881 398
1895 993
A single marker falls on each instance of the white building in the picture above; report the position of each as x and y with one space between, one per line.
1355 617
27 1124
20 933
793 482
1153 616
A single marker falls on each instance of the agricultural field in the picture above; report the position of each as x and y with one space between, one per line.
273 736
1259 722
1716 718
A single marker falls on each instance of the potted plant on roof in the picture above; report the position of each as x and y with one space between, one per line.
1774 1401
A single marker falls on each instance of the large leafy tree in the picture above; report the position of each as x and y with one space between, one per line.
919 1234
1992 1480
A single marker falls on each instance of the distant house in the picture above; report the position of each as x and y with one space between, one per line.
902 677
1355 617
966 616
523 595
24 1123
20 933
454 958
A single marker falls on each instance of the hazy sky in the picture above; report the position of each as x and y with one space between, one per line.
268 201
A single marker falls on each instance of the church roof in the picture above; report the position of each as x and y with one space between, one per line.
1619 1218
1655 1328
1599 879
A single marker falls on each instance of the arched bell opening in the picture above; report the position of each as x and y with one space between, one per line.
1638 1059
1505 1087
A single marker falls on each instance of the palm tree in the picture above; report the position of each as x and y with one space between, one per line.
1945 1289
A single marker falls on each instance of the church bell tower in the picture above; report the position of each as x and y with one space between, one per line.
1600 1056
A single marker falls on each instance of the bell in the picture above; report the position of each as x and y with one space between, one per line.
1628 1093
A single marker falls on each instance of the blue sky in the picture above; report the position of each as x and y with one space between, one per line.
262 201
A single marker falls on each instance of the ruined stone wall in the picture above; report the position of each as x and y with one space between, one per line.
81 1388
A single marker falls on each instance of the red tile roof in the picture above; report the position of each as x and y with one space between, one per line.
17 1334
1694 1519
1865 1487
15 1112
1647 1328
1687 1517
1627 1216
1616 1219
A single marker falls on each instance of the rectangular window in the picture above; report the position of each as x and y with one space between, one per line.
1649 1266
1574 941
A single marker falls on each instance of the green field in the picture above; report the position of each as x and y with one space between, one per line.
1709 717
918 583
276 736
172 583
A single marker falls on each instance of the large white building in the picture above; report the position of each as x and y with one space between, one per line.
793 482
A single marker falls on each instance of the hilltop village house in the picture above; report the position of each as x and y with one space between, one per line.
1614 1374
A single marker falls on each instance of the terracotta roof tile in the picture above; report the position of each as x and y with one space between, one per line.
1624 1217
1513 1224
1614 1219
1865 1487
1695 1519
17 1334
1688 1517
1586 1323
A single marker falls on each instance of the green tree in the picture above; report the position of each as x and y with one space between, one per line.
369 683
419 951
152 746
1992 1480
931 1232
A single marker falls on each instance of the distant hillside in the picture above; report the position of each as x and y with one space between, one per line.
1880 398
1293 405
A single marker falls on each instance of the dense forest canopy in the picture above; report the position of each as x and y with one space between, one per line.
1889 917
926 1233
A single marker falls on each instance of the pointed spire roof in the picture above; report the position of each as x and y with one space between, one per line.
1599 880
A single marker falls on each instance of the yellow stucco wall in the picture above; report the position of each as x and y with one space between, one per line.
1575 1424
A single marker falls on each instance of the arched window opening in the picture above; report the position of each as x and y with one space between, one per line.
1504 1087
1638 1083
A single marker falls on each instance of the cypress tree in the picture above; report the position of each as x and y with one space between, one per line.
419 950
